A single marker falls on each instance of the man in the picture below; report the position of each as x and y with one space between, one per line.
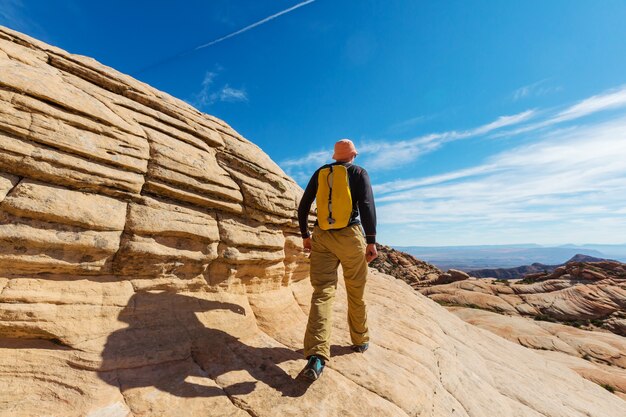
343 193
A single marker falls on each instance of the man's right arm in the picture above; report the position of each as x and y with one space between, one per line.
305 206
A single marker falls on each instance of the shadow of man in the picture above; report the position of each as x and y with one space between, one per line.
165 337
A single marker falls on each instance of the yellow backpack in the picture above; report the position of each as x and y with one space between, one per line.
334 200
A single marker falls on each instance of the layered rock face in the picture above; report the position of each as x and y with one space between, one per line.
597 356
589 295
579 293
151 266
101 175
411 270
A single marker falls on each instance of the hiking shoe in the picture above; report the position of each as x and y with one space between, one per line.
360 348
313 368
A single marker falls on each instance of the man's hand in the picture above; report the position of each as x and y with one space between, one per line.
370 252
306 242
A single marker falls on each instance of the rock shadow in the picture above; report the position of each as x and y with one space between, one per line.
166 346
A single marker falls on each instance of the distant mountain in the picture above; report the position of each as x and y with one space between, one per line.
611 251
469 258
520 271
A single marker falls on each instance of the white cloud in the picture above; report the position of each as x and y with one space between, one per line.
406 124
566 184
230 94
502 121
300 169
208 95
535 89
313 158
400 185
569 186
204 96
386 155
612 99
608 100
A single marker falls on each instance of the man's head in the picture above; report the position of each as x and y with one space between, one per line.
345 151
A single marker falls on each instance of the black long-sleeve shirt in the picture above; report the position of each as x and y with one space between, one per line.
362 201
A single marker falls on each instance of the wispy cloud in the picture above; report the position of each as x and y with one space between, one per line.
386 155
11 11
230 94
209 95
313 158
406 124
13 15
502 121
253 25
608 100
204 97
564 183
569 185
535 89
400 185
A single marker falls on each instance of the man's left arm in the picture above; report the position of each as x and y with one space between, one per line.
367 211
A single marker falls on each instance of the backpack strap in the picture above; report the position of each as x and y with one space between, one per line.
329 181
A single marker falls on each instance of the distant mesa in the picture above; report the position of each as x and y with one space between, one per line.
471 258
520 271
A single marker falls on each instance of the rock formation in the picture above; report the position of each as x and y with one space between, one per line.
521 271
586 293
597 356
411 270
135 183
578 293
151 266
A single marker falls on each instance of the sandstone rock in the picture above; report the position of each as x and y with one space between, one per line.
457 275
150 265
558 272
407 268
561 299
59 205
593 275
7 182
176 165
34 246
227 353
118 178
565 294
599 357
616 324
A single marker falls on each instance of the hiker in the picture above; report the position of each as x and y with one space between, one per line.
342 192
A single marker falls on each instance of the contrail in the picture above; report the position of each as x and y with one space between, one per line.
223 38
260 22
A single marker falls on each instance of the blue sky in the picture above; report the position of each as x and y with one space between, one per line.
482 122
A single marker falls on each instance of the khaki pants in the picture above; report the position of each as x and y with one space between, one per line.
329 248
